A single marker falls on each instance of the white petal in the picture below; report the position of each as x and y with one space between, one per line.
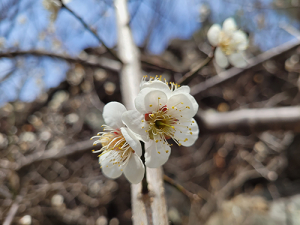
182 89
147 97
109 170
157 84
140 99
132 140
213 34
240 39
112 114
187 132
134 170
229 25
154 100
157 154
184 105
190 97
186 89
133 119
237 59
221 58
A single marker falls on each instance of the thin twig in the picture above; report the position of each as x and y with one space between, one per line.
145 189
229 188
190 195
290 29
15 206
193 72
88 28
109 66
158 65
55 153
228 74
104 63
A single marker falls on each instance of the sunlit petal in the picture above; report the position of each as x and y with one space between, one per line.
135 170
213 34
132 140
229 25
157 154
112 114
136 122
237 60
221 58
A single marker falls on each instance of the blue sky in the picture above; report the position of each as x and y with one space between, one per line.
26 26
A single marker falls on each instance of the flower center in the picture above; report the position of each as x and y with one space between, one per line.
225 43
161 125
115 148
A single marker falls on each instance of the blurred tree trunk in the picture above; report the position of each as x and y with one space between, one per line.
146 209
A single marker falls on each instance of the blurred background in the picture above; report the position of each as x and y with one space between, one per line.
55 78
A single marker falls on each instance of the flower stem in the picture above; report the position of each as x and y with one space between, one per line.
144 181
190 195
189 75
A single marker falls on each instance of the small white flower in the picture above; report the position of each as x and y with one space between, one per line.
121 150
162 112
230 43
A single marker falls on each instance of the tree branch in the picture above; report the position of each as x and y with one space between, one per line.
180 188
229 188
55 153
245 120
193 72
146 209
14 207
113 66
88 28
251 120
228 74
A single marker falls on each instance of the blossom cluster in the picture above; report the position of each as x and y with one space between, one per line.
163 111
230 43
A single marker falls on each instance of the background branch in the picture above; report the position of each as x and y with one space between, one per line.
145 210
193 72
55 153
245 120
112 66
228 74
93 32
250 120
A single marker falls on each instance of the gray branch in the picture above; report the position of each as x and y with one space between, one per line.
231 73
250 120
104 63
146 209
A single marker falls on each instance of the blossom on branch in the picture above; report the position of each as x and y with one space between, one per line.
163 111
121 150
230 43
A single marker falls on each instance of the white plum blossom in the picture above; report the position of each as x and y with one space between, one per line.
230 43
121 150
162 112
